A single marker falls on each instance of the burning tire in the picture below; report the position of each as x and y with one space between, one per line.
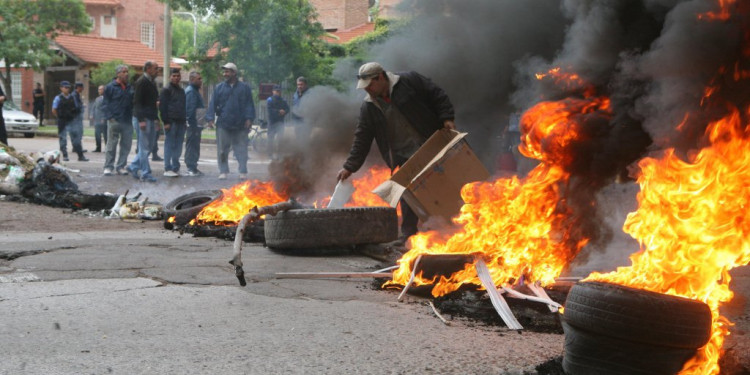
615 329
315 228
186 207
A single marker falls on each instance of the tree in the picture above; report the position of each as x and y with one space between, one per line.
105 72
201 6
27 27
273 40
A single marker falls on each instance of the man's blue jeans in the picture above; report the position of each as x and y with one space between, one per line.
146 139
173 139
193 147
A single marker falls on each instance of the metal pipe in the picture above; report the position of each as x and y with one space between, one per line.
195 25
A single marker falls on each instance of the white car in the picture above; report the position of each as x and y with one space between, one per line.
18 121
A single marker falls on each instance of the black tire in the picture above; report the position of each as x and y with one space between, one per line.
589 353
638 315
315 228
184 208
29 135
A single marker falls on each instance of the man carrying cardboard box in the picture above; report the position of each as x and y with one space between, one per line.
401 111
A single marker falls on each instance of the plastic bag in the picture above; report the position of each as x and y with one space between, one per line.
15 175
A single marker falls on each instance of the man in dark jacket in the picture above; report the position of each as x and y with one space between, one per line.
173 115
145 96
3 131
193 102
401 111
118 110
64 107
277 109
75 128
232 108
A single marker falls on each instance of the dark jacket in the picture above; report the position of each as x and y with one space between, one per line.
233 106
79 105
144 100
118 102
423 103
66 108
275 104
172 105
193 101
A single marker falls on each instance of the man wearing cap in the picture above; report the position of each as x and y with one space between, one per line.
400 112
277 109
172 109
145 96
232 108
118 110
65 108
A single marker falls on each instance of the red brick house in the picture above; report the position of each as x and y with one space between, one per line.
130 30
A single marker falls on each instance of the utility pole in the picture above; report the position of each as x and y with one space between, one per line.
167 42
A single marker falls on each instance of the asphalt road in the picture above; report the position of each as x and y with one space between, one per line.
89 295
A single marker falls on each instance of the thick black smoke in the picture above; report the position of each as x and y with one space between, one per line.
653 58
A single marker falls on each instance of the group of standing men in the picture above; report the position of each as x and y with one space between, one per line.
122 108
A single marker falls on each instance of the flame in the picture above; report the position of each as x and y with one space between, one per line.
237 201
693 227
722 15
171 219
520 227
363 186
567 80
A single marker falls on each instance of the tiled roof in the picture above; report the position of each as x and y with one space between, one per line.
113 3
344 36
96 50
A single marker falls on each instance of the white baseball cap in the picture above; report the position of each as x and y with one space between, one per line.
367 72
230 66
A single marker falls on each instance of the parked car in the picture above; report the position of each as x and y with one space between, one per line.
18 121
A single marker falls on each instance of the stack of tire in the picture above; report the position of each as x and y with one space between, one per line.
330 228
613 329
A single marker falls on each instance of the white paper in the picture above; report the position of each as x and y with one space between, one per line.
341 195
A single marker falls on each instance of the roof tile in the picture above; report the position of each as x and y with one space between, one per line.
93 49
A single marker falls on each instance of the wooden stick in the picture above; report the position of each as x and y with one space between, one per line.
517 294
438 314
388 268
539 292
497 300
411 279
254 214
332 275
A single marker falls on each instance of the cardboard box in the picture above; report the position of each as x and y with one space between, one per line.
431 180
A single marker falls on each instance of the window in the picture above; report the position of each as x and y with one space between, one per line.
17 88
147 34
93 22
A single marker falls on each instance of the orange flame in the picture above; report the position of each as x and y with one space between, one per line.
518 226
722 15
567 80
237 201
693 227
363 186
